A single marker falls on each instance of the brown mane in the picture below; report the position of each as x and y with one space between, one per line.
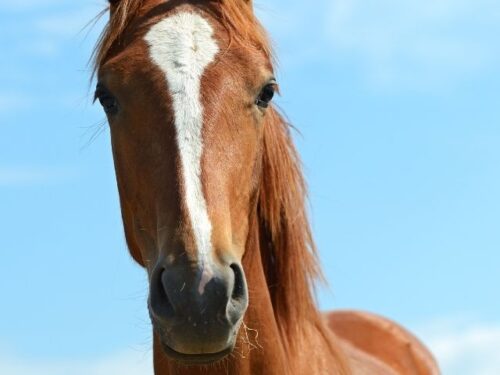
289 253
288 250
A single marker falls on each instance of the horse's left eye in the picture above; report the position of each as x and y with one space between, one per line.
266 95
107 100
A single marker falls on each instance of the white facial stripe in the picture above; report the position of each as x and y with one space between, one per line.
182 46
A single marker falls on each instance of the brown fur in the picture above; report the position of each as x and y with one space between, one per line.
290 255
283 332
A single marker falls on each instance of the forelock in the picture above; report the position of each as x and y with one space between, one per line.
238 19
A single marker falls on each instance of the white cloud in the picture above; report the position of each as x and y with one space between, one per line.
126 363
27 176
47 33
418 42
26 5
465 348
10 102
298 40
67 24
461 348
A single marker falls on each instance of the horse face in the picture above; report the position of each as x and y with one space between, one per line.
186 109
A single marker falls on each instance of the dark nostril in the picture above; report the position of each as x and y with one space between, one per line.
239 289
175 295
159 300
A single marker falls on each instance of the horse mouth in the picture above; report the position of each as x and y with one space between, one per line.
196 359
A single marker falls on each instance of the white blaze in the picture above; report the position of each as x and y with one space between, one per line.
182 46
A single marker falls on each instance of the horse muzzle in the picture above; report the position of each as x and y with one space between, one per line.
196 310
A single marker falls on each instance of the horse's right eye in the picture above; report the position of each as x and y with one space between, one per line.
107 100
266 94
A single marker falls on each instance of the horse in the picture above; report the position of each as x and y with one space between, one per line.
213 200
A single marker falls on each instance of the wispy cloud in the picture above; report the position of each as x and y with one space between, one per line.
465 348
25 5
46 31
67 24
28 176
416 43
10 102
126 363
460 348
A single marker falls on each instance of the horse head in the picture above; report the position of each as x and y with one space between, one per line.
187 91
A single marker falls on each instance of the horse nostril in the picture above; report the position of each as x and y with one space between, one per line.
239 293
175 297
159 301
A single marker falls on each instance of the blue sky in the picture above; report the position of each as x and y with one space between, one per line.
398 108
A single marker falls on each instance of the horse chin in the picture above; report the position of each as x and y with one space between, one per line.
196 359
195 352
